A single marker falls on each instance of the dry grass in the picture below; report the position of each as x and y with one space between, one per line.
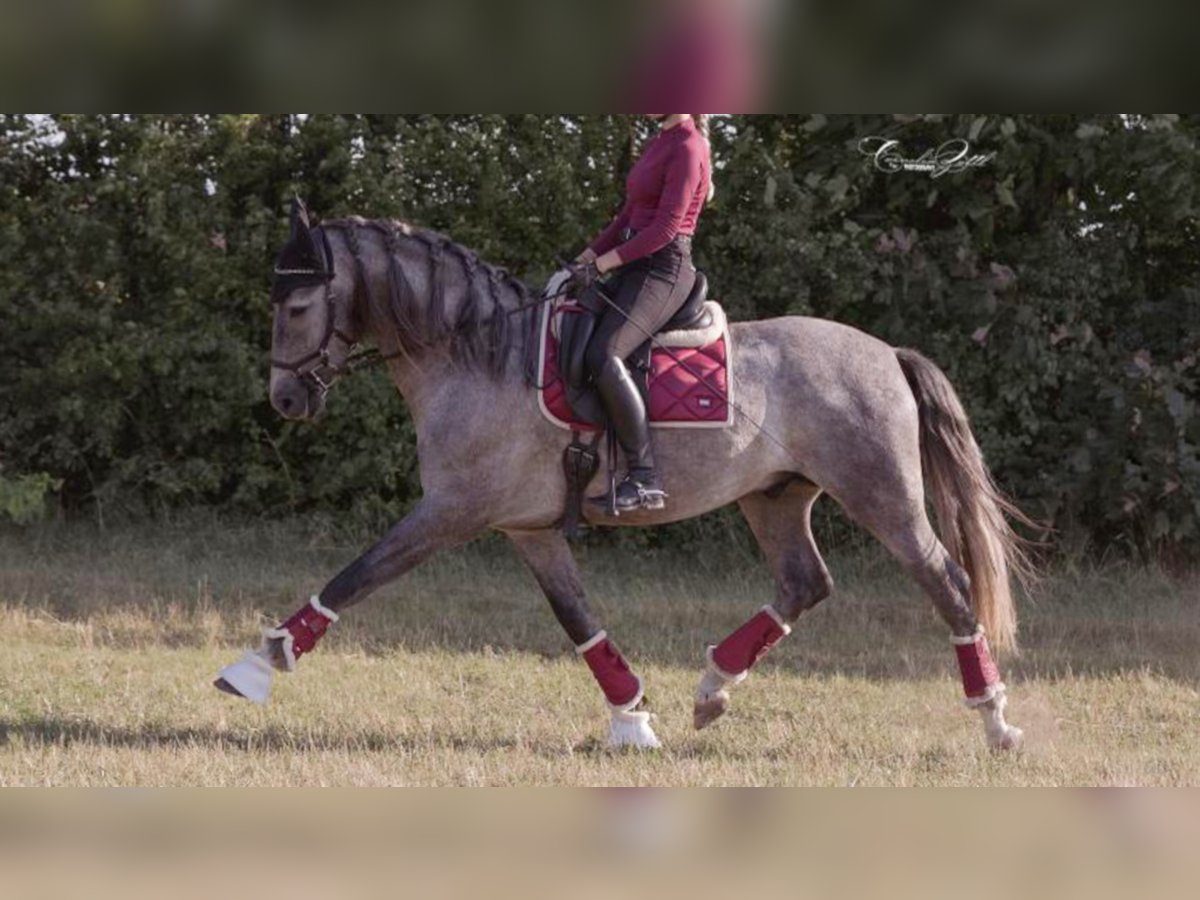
459 674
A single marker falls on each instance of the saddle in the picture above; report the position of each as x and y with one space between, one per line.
682 374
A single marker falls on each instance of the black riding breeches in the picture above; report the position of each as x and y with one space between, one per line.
650 291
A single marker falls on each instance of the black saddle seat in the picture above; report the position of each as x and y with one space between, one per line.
693 313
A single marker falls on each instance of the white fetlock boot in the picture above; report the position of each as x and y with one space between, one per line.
631 728
712 694
1000 735
250 677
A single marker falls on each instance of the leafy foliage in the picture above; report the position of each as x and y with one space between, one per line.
1057 285
23 499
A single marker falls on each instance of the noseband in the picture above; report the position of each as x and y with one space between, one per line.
316 368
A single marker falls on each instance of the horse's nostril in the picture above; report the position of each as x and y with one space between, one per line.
291 400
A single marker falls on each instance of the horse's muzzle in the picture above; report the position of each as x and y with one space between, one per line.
292 399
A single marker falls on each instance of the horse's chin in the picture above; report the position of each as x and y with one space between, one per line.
316 406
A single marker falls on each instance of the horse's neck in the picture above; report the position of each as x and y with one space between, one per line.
435 299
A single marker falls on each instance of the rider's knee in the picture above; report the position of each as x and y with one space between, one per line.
598 357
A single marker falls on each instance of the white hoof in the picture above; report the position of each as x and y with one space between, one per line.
632 729
250 677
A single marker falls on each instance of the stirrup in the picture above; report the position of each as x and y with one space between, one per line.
636 496
641 497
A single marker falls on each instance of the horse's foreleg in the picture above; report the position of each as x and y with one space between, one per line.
781 525
431 526
549 557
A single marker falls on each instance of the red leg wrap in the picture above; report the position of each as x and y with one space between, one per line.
748 644
979 673
621 687
305 628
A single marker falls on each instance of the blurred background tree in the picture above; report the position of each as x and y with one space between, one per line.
1057 285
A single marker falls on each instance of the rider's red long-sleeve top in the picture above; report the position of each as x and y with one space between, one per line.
664 193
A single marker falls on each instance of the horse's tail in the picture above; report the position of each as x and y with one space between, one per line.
972 512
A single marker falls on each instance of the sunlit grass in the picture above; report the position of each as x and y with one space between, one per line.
459 674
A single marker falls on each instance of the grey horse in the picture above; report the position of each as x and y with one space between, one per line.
822 407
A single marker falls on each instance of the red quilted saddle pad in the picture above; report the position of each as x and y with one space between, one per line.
689 386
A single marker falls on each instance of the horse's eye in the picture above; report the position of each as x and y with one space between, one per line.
297 312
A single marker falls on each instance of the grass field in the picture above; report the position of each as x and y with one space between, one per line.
459 675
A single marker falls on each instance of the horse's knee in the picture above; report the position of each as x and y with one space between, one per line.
798 595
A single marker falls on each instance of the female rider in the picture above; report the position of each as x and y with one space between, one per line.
648 250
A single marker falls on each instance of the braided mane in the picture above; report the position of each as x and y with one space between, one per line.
486 327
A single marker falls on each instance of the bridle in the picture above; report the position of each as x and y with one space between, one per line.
316 367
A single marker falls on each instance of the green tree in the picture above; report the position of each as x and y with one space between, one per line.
1057 284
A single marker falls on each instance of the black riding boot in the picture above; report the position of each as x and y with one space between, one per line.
641 488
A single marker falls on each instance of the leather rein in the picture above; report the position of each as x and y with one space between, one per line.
316 368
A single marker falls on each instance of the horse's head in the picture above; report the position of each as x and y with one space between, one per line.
313 331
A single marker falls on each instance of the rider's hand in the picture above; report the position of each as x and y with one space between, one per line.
583 276
609 261
588 255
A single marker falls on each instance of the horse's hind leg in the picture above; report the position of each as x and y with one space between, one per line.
782 526
906 532
549 557
928 561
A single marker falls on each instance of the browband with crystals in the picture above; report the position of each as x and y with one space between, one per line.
303 275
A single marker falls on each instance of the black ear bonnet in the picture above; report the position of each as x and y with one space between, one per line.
306 259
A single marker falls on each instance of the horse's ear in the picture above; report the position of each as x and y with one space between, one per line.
299 218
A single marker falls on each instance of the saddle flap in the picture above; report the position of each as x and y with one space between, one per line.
575 327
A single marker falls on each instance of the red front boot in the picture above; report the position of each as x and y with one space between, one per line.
299 634
621 687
